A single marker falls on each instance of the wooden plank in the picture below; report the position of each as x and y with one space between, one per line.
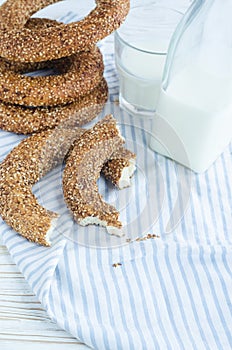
24 324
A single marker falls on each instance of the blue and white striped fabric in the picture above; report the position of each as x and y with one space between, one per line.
173 292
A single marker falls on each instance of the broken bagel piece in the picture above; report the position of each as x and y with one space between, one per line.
120 168
25 165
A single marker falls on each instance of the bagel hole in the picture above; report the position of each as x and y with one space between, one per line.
48 68
67 11
107 190
45 68
42 73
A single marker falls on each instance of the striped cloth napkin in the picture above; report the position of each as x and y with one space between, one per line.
170 292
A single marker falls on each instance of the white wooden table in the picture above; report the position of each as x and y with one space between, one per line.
23 322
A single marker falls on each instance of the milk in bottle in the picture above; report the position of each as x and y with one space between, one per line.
196 94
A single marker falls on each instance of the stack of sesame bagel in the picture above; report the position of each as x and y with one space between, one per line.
35 103
52 108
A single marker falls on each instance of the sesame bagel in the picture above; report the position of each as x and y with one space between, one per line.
78 75
83 167
18 43
25 120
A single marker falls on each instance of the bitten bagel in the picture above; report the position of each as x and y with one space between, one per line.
26 45
83 167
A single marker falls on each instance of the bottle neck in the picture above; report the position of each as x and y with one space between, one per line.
186 21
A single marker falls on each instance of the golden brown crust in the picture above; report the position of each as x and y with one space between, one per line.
24 120
14 14
79 74
83 168
59 41
21 169
41 23
22 67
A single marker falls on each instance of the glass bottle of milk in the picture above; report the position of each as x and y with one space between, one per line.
193 123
